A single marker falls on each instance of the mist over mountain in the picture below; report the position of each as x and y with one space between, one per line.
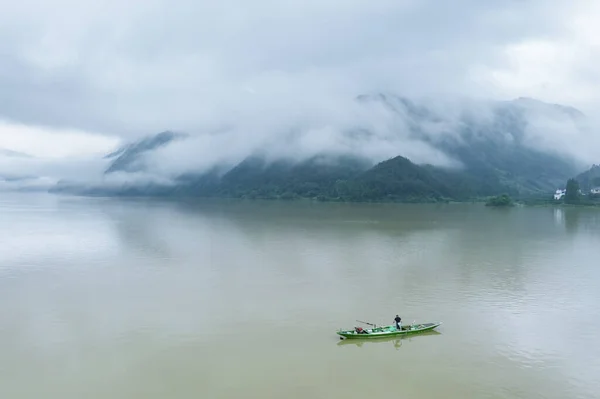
589 179
378 147
128 157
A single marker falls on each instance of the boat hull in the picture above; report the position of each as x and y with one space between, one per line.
387 331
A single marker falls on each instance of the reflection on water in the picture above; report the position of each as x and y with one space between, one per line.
107 298
571 218
395 341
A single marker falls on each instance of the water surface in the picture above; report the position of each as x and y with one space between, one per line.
146 299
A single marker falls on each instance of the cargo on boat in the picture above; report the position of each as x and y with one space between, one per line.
386 331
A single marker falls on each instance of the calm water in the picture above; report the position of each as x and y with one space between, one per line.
141 299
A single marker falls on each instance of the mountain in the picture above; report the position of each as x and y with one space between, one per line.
493 147
324 177
589 179
491 144
397 179
533 104
129 157
255 177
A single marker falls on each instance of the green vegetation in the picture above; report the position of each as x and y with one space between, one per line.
323 178
503 200
573 193
334 178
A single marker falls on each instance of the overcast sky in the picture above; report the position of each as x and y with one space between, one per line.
77 76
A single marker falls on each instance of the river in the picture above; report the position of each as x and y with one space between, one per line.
105 298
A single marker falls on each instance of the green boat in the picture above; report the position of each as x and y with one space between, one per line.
386 331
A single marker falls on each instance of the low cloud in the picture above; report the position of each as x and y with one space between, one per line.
378 128
344 128
52 143
565 133
29 173
281 78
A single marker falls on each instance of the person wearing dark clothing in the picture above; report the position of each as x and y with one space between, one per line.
398 321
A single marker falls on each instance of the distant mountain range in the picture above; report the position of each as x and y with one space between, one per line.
589 179
493 151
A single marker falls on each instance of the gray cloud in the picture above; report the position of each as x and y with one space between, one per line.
145 66
259 71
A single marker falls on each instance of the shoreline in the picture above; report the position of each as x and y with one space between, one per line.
516 202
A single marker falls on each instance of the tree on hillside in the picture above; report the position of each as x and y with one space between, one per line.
500 201
572 192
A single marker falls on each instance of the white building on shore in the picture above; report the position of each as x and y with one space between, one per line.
559 194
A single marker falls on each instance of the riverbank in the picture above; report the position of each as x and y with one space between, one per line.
501 200
580 204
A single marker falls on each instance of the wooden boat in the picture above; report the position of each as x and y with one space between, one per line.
386 331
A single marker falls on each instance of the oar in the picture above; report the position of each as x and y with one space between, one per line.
369 324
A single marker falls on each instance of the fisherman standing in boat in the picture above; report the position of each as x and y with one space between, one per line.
398 321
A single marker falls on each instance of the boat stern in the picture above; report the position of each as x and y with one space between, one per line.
345 334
